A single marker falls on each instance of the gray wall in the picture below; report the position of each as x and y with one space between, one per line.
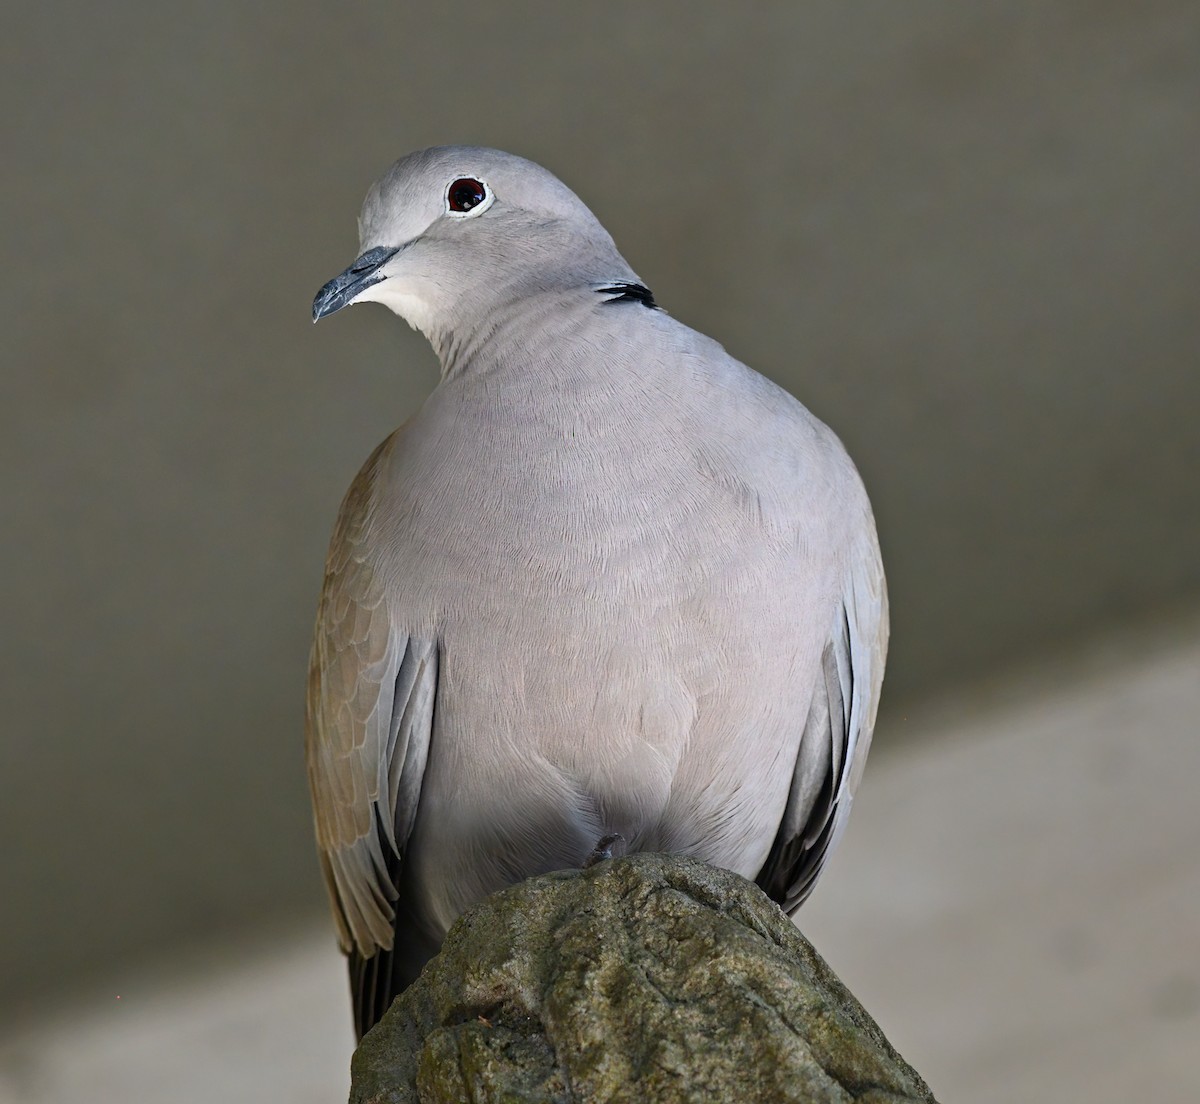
966 235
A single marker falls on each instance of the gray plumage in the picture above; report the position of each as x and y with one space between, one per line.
607 580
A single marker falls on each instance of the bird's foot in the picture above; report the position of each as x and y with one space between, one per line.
612 846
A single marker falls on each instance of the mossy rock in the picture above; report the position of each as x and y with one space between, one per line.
651 978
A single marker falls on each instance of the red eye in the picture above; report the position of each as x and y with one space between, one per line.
466 194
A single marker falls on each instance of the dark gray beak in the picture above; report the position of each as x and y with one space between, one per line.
341 290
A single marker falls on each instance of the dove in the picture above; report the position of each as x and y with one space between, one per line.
608 590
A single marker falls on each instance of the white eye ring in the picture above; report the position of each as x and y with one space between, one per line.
463 188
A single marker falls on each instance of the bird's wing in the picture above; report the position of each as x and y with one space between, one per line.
371 692
837 733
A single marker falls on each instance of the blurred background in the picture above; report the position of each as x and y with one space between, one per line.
966 236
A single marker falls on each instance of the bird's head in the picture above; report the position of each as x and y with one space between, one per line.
450 233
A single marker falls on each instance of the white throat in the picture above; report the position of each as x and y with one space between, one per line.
414 309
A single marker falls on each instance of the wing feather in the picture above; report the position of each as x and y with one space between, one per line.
837 733
371 695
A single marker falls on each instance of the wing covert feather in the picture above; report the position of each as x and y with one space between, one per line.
371 693
837 732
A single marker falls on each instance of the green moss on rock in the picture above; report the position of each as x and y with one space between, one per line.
651 978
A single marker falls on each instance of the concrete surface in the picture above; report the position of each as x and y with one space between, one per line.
1017 902
965 234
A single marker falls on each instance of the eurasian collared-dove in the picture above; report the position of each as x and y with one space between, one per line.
607 587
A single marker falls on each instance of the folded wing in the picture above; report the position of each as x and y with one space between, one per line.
837 734
371 695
